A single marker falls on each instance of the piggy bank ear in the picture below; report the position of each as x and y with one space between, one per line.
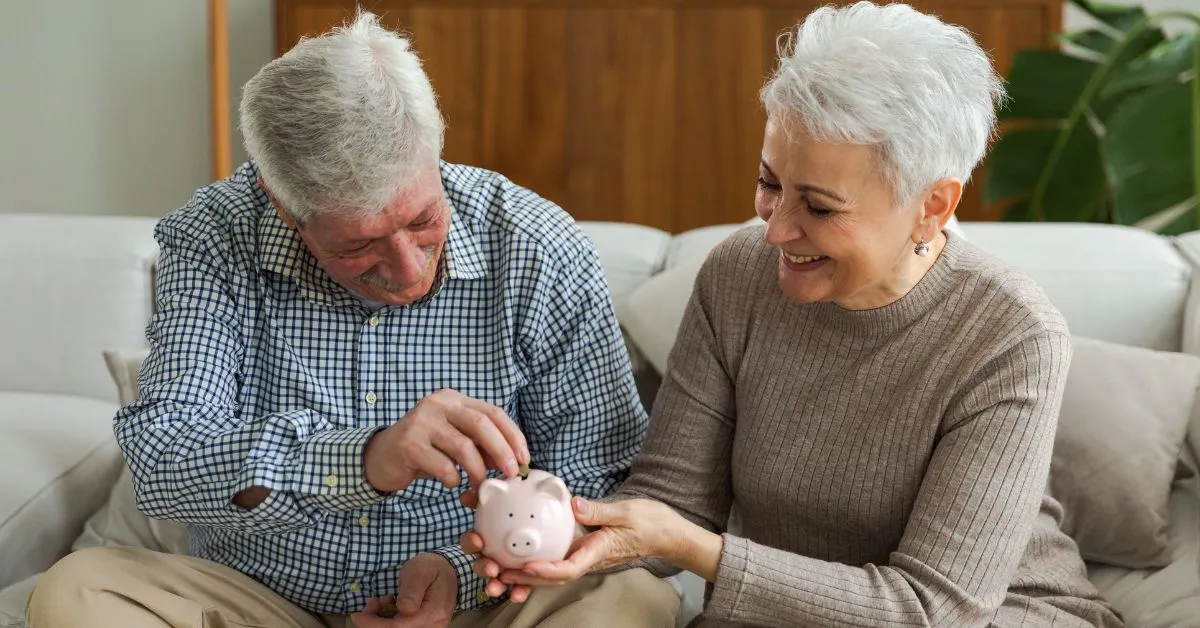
491 489
555 488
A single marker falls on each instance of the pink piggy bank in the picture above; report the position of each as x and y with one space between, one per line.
525 519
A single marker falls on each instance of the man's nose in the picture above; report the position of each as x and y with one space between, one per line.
407 258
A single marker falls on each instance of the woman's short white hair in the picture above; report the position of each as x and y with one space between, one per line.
918 90
343 122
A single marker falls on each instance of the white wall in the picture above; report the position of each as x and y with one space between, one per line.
104 103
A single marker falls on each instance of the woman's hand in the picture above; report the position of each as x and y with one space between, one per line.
628 530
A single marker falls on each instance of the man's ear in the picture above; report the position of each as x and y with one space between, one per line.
283 214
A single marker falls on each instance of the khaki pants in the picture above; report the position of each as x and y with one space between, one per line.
123 587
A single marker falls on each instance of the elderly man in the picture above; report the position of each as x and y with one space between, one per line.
350 333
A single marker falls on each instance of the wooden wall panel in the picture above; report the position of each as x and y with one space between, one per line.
643 111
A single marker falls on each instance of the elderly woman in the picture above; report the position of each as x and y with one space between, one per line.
877 396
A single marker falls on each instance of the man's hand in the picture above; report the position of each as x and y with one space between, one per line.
426 597
445 429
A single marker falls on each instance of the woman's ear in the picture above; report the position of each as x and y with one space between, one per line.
940 201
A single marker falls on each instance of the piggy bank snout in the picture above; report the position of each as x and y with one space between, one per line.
524 541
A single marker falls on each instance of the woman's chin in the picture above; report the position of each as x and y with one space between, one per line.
803 287
801 291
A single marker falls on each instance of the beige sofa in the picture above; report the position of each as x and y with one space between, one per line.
75 287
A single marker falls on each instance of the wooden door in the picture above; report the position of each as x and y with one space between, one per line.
642 111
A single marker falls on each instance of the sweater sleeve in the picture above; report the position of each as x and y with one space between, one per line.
685 461
968 529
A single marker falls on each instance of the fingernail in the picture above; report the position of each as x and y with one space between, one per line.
581 506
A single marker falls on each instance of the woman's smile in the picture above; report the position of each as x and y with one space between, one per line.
802 262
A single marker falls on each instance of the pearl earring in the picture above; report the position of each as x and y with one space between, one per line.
921 249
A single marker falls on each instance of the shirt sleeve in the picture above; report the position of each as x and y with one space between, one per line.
471 595
968 530
191 450
580 410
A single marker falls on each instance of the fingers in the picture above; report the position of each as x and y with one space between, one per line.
436 464
414 583
485 568
457 446
508 427
520 593
597 514
495 588
587 552
369 617
483 430
470 498
471 542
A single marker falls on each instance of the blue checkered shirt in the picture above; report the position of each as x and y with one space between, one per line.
265 372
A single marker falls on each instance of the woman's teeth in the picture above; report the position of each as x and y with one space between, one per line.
802 259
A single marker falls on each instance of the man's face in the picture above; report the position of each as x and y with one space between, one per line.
391 257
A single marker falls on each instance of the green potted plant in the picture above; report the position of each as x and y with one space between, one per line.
1106 129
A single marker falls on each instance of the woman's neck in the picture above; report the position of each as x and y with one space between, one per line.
907 276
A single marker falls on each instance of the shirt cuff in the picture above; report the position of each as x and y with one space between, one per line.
330 474
276 514
731 572
471 595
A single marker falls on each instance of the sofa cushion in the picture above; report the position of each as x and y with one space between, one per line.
60 459
46 263
630 254
1167 596
1125 415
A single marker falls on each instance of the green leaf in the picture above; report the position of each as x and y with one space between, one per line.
1173 220
1118 16
1018 211
1102 42
1149 152
1091 39
1045 84
1076 189
1012 167
1167 62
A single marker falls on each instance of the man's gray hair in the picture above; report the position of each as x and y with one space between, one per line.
918 90
343 122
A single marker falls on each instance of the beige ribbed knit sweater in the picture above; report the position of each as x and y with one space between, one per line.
888 465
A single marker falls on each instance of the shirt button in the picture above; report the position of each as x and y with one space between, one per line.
355 587
373 321
372 398
364 520
331 481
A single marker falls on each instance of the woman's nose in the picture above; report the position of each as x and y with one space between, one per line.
781 230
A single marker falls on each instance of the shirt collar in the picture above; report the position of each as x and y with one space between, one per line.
282 251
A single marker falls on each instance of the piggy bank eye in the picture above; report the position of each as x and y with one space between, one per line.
510 515
531 516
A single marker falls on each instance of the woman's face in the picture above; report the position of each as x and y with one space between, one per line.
839 234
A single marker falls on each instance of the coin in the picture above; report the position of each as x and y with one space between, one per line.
523 470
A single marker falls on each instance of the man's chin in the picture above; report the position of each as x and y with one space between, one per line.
394 295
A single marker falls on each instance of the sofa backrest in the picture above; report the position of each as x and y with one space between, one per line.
1114 283
71 286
